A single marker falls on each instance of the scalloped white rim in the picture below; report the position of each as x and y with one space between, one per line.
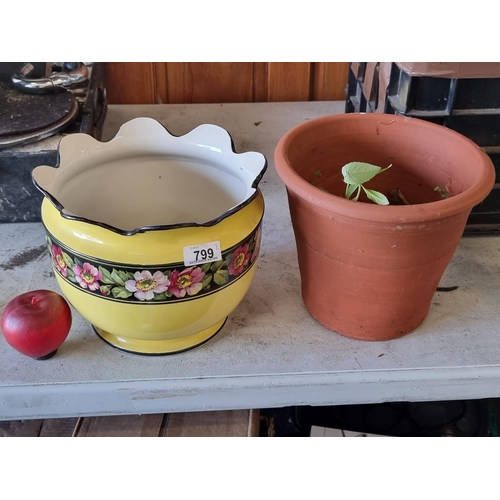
147 177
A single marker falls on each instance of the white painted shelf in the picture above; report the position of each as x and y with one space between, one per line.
271 352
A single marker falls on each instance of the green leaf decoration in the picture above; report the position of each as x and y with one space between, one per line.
106 276
221 277
160 296
216 266
120 292
115 275
358 172
317 173
207 280
376 197
205 267
124 275
68 260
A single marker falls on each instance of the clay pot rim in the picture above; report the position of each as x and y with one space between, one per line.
390 213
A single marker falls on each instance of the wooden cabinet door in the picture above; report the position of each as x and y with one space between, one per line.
197 82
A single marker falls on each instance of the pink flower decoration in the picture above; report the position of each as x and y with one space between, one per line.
59 260
145 285
188 281
87 276
239 260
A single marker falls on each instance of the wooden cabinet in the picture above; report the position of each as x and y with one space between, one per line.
201 82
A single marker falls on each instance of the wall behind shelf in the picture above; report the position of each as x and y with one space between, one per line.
201 82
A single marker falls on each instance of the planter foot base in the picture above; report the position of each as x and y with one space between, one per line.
160 347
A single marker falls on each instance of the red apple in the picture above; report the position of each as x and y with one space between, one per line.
36 323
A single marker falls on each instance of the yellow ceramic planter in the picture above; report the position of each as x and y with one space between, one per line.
154 239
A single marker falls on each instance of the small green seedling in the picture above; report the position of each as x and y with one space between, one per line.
356 174
317 173
442 192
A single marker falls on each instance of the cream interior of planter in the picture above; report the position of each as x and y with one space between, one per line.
147 177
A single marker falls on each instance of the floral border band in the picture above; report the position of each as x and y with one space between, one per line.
150 284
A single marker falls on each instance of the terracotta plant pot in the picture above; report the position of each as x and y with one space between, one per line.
368 271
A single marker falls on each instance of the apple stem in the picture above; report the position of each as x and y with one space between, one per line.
33 301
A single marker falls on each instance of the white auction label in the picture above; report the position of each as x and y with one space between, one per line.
202 253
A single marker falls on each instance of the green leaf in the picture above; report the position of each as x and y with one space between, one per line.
205 267
116 277
358 172
350 190
206 281
68 260
217 265
442 192
124 275
376 197
317 173
221 277
106 276
160 296
120 292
